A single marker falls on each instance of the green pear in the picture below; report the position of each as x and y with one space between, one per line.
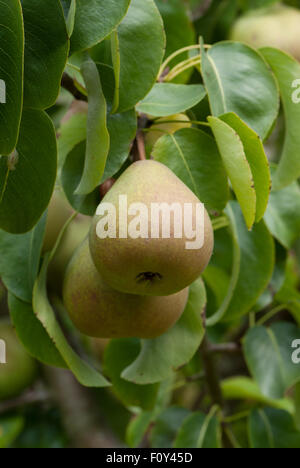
152 262
74 235
278 26
159 128
99 311
20 369
59 211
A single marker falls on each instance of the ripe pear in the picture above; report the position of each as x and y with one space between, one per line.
97 310
20 369
59 211
141 263
159 129
278 26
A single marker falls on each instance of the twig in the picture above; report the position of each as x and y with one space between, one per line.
106 186
201 10
27 398
224 348
68 84
141 145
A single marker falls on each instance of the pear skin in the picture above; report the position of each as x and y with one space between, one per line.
278 26
159 128
74 235
59 211
150 266
20 369
99 311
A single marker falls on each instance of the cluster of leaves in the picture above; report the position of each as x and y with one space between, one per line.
121 57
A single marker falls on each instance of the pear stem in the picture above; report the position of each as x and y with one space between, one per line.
182 66
178 52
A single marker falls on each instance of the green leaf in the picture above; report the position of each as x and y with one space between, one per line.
95 20
137 427
32 334
193 156
244 388
118 355
237 167
199 431
19 260
10 428
257 159
27 178
238 80
217 280
97 134
286 70
252 267
271 428
71 133
46 51
167 99
288 293
71 18
179 31
283 214
70 177
268 352
256 265
277 279
85 374
159 357
167 425
230 256
122 129
141 48
11 78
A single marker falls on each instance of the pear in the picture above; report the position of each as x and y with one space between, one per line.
99 311
158 129
278 26
153 262
59 211
20 369
74 235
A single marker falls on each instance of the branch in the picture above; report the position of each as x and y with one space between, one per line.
106 186
68 84
29 397
224 348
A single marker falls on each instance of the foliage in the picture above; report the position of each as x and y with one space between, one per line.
85 81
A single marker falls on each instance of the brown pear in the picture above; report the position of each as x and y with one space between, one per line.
156 258
97 310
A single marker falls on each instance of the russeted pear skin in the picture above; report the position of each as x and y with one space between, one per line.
99 311
150 266
277 26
